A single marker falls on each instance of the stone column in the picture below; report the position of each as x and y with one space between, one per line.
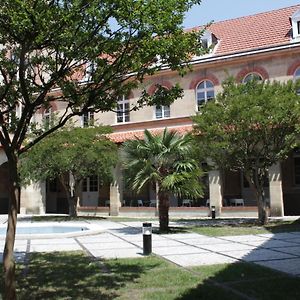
116 192
215 190
33 198
276 195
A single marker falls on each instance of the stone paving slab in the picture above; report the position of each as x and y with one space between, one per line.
179 250
205 241
244 238
62 241
258 255
103 238
64 245
279 236
183 236
290 250
188 260
107 246
295 240
290 266
270 243
227 247
118 253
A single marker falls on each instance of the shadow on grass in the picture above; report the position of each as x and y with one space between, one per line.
172 230
243 281
238 226
72 275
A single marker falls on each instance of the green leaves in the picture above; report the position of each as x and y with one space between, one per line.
47 45
250 125
79 151
165 159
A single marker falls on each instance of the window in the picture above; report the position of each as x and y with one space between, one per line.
87 119
90 184
204 43
162 111
205 91
93 183
123 110
48 118
296 156
252 76
90 68
297 74
297 77
297 170
295 22
53 185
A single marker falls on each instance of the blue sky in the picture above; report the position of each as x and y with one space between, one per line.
218 10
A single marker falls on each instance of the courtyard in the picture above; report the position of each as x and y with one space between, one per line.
198 262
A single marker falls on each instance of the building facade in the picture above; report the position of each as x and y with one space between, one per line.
265 46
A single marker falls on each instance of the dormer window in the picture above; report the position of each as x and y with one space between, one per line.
208 39
295 20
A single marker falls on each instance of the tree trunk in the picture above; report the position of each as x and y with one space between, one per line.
72 206
163 208
72 199
262 209
257 187
8 256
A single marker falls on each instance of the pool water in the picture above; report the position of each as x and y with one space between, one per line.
44 229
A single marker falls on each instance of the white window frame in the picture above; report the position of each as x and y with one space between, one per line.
204 90
88 70
90 184
87 119
253 75
165 112
47 117
123 114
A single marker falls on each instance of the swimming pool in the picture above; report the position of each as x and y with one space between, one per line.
51 230
44 229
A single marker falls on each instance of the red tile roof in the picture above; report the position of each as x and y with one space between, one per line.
120 137
256 31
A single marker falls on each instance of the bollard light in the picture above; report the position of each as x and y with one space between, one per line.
213 212
147 238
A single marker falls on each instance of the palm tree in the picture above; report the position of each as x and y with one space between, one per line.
165 161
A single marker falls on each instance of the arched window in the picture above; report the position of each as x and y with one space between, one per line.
297 74
252 76
162 111
204 92
297 77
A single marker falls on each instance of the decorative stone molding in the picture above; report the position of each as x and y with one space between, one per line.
255 69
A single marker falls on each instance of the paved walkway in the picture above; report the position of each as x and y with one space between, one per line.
119 240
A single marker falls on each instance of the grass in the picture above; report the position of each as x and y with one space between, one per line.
219 228
72 275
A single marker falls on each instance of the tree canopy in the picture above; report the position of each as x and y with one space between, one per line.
75 152
250 127
165 162
84 55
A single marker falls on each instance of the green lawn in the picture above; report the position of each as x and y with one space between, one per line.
72 275
219 228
